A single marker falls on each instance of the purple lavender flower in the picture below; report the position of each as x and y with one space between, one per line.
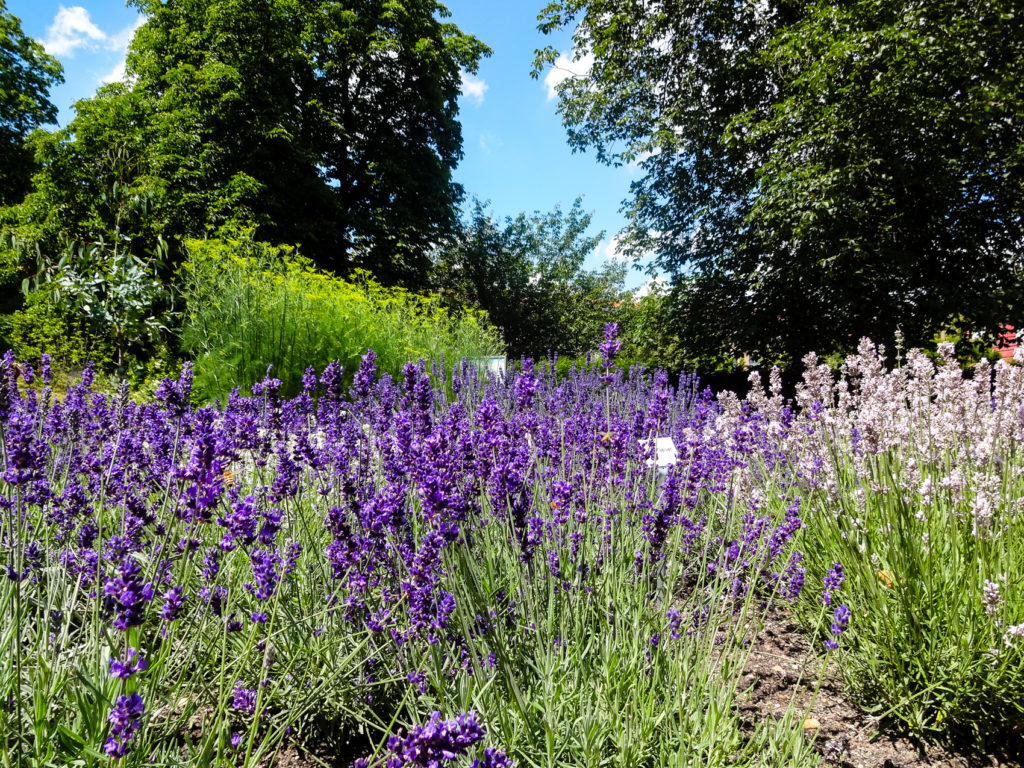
216 597
833 580
286 481
525 385
174 601
32 560
493 758
611 345
793 577
128 594
265 573
362 383
840 621
240 521
175 395
292 554
131 664
268 387
841 617
8 382
33 556
675 620
271 526
211 563
125 720
244 698
554 563
25 453
435 741
309 380
609 350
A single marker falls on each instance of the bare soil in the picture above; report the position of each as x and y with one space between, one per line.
844 735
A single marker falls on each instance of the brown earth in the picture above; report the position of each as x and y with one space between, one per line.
845 736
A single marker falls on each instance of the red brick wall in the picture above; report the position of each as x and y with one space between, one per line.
1010 336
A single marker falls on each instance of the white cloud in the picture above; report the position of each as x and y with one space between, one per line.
115 75
119 42
490 141
72 28
611 250
567 66
474 88
635 166
655 283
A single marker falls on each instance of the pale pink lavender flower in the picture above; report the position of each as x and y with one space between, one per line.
1013 634
992 597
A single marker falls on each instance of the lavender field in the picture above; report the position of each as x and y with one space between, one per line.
462 569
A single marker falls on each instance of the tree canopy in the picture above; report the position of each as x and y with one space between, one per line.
27 73
332 125
812 171
528 274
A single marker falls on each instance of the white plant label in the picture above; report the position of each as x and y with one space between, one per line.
665 453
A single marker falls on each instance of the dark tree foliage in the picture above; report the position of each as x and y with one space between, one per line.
812 171
528 275
26 75
332 125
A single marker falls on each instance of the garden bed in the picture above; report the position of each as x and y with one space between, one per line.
506 569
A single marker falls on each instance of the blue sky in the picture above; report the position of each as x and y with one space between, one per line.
516 153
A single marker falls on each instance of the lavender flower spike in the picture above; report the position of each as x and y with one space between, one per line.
125 720
132 663
840 621
833 580
434 741
611 345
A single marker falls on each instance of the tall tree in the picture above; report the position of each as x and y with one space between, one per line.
812 171
528 274
27 73
324 123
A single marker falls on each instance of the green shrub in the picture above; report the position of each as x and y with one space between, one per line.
43 326
115 295
94 302
250 305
